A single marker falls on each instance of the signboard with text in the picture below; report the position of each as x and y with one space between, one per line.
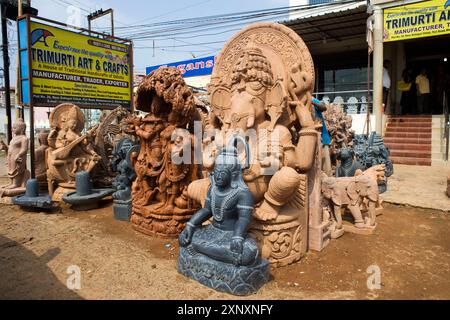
190 68
63 66
417 20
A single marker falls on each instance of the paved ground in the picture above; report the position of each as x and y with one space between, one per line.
419 186
410 246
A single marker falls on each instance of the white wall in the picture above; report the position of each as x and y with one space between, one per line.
292 16
358 123
198 82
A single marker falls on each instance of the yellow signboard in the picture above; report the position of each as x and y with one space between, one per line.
70 67
417 20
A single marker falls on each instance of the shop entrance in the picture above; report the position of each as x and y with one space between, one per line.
427 60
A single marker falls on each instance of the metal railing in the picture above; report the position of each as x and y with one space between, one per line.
353 101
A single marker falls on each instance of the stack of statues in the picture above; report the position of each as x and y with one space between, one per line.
238 180
339 125
124 159
370 152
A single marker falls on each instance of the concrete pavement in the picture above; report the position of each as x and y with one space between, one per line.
418 186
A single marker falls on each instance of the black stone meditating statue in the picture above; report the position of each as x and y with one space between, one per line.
221 255
349 164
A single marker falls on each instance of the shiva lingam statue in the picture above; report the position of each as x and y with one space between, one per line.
16 162
164 166
221 255
69 151
261 88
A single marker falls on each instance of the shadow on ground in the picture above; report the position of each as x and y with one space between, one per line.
25 275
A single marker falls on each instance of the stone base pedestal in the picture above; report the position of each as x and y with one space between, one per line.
284 240
122 210
165 224
224 277
349 227
60 192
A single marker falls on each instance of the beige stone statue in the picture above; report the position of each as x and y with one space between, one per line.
39 159
16 161
69 150
352 193
261 88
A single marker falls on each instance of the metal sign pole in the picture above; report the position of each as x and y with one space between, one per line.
6 72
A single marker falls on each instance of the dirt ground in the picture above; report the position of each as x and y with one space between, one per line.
410 246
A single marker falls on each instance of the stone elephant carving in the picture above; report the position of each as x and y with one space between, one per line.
351 193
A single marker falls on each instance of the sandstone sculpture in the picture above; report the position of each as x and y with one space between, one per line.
108 133
69 151
261 88
39 160
16 161
164 167
339 125
350 193
221 255
124 157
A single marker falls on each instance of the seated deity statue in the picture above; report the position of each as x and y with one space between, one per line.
70 151
223 246
16 161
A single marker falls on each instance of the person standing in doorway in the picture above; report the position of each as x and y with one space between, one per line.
423 91
386 83
407 100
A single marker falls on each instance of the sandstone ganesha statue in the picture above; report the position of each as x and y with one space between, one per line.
261 88
164 166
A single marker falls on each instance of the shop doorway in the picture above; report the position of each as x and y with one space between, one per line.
427 59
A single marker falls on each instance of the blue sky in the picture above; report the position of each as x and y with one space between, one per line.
131 12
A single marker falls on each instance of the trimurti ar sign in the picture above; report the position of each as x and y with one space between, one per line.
63 66
417 20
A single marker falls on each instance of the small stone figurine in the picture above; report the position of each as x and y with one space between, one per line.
220 255
349 165
16 161
124 155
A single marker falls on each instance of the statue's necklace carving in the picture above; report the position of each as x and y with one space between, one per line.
228 198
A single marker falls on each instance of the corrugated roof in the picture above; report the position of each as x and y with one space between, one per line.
333 21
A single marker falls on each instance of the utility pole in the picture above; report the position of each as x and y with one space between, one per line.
101 13
19 111
6 72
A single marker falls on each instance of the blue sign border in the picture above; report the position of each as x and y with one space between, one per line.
190 68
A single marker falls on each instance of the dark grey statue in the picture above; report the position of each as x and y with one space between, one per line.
348 165
221 255
122 163
371 152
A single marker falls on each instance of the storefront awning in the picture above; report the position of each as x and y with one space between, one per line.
332 22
